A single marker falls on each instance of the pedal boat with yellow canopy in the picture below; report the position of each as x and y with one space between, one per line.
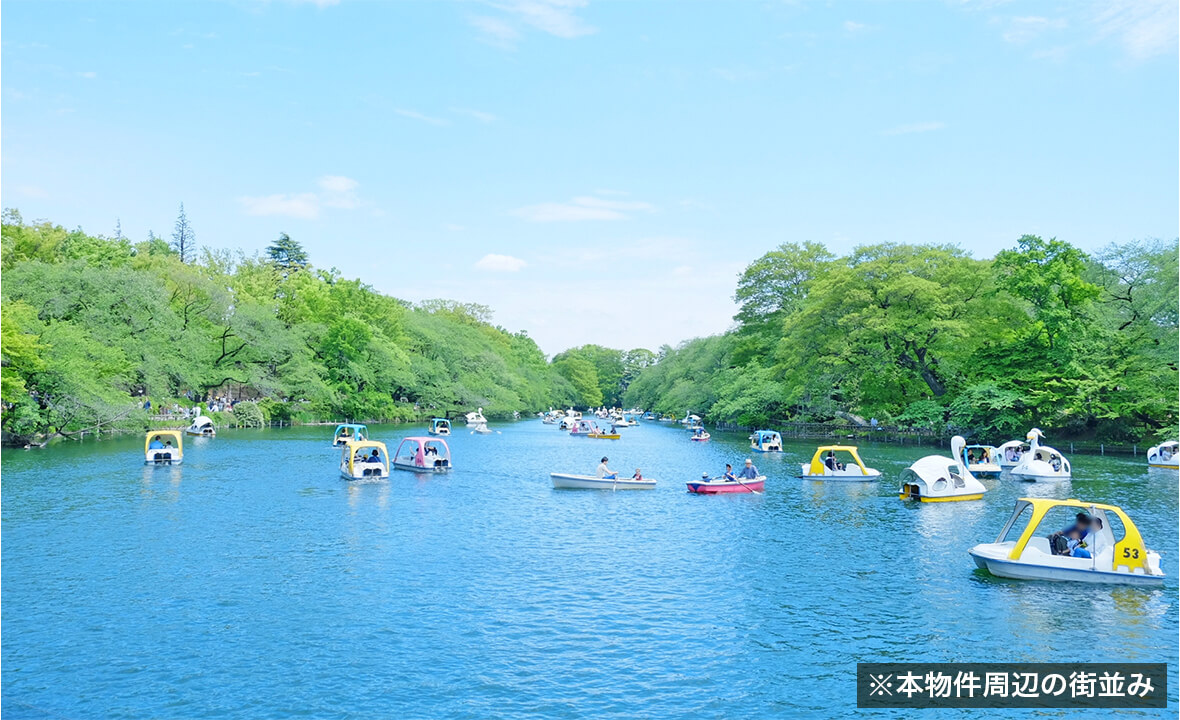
163 455
854 471
357 463
1124 562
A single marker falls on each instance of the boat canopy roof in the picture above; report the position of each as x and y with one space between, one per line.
980 447
1128 552
766 434
174 435
817 460
1012 443
357 447
423 442
350 426
439 421
202 420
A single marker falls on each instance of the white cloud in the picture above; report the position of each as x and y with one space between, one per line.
1144 27
586 207
303 205
854 28
496 32
554 17
483 117
335 191
914 128
89 74
32 191
500 263
415 115
1024 29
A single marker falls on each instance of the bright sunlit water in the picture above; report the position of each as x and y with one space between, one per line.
253 582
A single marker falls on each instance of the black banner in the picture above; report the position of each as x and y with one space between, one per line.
1011 685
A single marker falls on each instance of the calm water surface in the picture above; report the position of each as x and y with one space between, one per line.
253 582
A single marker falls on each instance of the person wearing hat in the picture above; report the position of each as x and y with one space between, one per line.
605 472
749 472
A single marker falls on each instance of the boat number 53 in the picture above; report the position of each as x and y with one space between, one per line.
1131 553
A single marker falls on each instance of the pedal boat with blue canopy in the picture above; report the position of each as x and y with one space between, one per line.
163 455
349 432
357 461
440 426
766 441
423 454
1123 562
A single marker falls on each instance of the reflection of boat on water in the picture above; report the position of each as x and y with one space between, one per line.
716 486
1126 561
935 478
590 482
202 427
1041 462
831 467
163 447
766 441
1164 455
349 432
440 426
481 429
357 461
982 461
423 454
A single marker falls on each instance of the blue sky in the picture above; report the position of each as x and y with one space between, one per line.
593 171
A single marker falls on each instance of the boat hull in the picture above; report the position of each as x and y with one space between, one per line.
201 433
411 467
589 482
872 476
1027 571
718 487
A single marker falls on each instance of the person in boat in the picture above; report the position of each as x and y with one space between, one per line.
638 474
749 472
1055 462
729 476
1077 546
605 472
1059 542
156 444
374 457
832 463
167 444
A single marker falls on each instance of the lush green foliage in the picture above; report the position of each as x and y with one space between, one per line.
89 323
926 336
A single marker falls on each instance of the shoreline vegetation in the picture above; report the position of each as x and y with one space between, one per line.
921 337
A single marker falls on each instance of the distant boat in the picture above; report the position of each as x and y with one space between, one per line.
716 486
169 450
439 426
423 454
590 482
1009 454
982 461
349 432
1041 462
358 463
1164 455
766 441
202 427
935 478
831 467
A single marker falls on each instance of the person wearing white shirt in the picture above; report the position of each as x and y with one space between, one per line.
605 472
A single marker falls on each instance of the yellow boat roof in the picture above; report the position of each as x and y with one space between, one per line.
1039 503
845 448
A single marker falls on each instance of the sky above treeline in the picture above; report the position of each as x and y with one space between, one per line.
593 171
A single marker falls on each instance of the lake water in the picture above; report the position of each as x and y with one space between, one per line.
252 582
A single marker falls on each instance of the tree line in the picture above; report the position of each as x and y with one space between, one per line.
927 336
94 325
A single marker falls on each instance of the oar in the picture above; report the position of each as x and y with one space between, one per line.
735 477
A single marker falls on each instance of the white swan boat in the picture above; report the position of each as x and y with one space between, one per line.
202 427
1124 562
1164 455
936 478
476 418
590 482
1009 454
1041 462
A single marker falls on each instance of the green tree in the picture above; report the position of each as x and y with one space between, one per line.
287 254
